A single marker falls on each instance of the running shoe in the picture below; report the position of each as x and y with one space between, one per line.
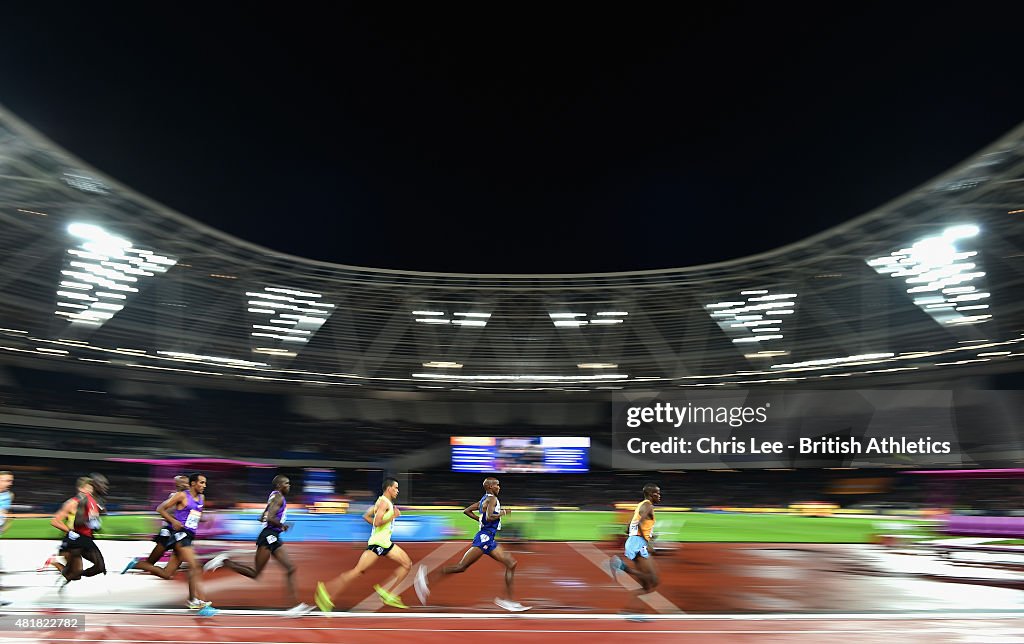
299 611
323 600
198 604
207 611
390 599
615 565
130 565
215 563
46 564
510 605
420 584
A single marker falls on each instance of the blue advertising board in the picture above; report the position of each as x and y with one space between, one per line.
239 526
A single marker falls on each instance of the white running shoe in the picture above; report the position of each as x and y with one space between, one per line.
198 604
420 584
299 611
510 605
215 563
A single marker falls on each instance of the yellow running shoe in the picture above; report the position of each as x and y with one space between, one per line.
390 599
323 600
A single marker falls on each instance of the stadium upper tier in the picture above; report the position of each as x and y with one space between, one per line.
94 274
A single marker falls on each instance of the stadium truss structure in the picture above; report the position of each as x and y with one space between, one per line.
96 275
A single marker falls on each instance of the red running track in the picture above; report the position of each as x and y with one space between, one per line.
574 600
240 629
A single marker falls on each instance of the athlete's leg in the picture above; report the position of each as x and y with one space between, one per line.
71 570
195 571
262 557
647 574
424 581
643 571
289 568
400 557
95 557
336 585
500 554
468 560
158 551
61 567
163 572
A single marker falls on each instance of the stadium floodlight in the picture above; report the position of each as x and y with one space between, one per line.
944 278
569 319
297 314
102 259
478 319
752 319
84 182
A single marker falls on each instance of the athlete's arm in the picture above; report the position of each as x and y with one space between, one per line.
470 511
488 509
647 512
59 520
368 515
164 509
378 515
270 514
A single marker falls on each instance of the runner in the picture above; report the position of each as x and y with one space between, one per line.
78 518
638 547
160 538
382 517
187 509
269 540
485 542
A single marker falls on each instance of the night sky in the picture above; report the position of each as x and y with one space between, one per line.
517 138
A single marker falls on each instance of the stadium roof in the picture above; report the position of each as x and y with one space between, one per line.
95 274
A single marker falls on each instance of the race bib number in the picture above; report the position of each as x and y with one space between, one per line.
164 532
484 538
180 536
95 524
379 550
271 538
192 522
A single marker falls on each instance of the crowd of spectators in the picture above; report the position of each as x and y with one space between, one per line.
252 426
